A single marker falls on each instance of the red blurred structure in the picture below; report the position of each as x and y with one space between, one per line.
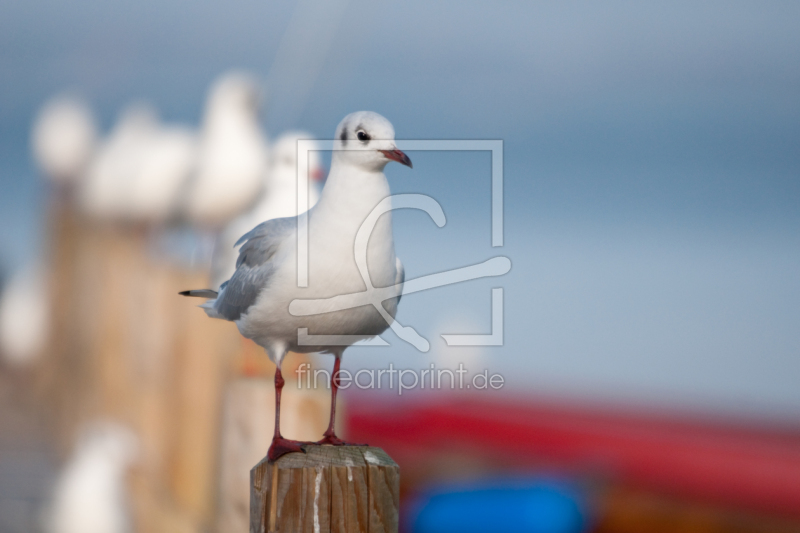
718 463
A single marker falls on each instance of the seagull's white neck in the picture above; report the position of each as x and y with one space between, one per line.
351 193
349 196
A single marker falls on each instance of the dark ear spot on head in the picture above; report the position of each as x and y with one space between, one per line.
343 135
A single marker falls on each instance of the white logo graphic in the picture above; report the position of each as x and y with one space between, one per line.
496 266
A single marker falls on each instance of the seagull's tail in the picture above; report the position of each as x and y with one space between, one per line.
200 293
208 305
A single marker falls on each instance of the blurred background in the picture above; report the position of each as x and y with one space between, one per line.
651 354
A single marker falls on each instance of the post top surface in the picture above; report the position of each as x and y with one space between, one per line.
317 455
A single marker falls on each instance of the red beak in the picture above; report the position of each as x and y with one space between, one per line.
397 155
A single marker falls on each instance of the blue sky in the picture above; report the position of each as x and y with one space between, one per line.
652 167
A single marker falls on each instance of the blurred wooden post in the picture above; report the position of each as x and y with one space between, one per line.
344 489
62 369
203 354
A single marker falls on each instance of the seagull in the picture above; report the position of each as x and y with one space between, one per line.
103 193
167 159
63 139
140 170
278 200
232 153
25 316
258 295
90 494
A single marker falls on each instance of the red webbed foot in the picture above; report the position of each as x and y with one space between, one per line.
281 446
333 440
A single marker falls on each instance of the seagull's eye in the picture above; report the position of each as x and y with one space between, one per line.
362 136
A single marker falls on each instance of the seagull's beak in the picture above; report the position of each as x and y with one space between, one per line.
397 155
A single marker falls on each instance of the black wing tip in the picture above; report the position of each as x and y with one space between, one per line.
201 293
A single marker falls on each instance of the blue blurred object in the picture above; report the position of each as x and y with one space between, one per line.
542 506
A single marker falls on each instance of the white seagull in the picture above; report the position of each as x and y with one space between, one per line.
232 153
90 494
104 192
63 138
278 200
166 161
258 295
140 170
25 316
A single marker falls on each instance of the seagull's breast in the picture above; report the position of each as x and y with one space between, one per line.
339 263
333 270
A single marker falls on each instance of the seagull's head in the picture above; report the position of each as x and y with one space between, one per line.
235 92
366 140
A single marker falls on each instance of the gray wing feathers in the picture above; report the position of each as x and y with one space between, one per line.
261 242
253 267
241 291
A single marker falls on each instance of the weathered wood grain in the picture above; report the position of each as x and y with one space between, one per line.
347 489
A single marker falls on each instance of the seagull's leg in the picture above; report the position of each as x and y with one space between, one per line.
280 445
329 437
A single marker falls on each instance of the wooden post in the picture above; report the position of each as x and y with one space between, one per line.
342 489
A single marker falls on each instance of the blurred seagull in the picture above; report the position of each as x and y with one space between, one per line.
140 170
63 139
90 494
278 200
232 154
24 316
112 171
258 295
165 163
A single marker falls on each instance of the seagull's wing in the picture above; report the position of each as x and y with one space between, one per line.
260 243
253 267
